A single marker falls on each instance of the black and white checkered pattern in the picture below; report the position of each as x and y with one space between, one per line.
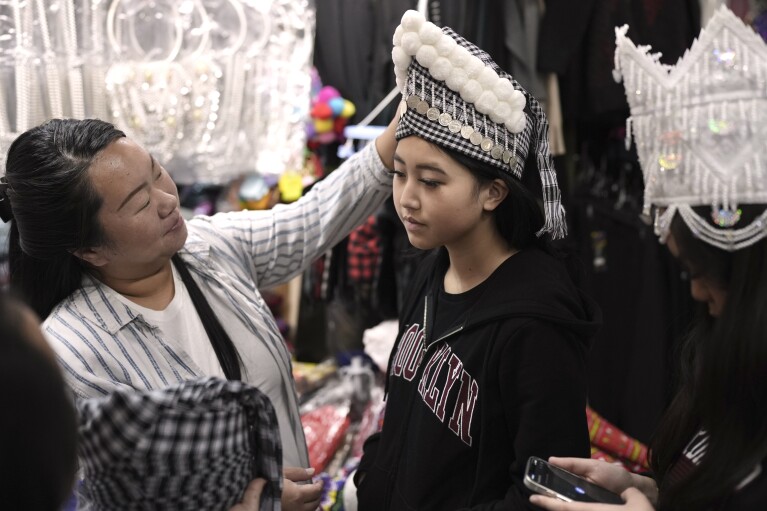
533 138
193 446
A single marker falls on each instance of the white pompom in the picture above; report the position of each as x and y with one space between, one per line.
487 78
411 42
486 103
517 122
460 57
430 33
518 100
426 55
412 20
504 110
400 58
503 89
397 38
471 91
457 79
441 68
446 45
515 116
521 125
496 117
474 67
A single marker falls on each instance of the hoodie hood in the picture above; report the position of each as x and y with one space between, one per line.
541 289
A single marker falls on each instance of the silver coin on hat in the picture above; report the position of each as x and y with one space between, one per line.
496 152
422 107
486 144
476 138
454 126
401 109
412 102
466 132
432 114
507 155
445 119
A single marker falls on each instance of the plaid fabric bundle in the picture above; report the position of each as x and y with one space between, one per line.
363 251
193 446
474 108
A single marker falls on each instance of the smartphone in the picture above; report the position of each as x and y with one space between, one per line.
546 479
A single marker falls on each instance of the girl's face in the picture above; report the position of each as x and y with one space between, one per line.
702 288
439 200
140 211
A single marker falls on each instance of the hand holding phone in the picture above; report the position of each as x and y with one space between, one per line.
552 481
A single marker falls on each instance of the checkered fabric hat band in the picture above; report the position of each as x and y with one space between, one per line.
455 96
192 446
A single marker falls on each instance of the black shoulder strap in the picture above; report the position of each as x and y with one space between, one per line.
222 344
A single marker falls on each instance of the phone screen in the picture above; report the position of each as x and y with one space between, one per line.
545 478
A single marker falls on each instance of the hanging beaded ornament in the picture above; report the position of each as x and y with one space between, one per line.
699 128
148 96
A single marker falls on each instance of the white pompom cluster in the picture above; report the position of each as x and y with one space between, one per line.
461 71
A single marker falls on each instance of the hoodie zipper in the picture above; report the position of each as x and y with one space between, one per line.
447 334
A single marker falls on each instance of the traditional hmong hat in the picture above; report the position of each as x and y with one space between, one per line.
455 96
699 129
192 446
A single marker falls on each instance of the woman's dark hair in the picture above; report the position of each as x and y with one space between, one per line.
38 432
723 389
520 216
55 208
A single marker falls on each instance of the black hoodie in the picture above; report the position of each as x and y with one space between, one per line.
500 378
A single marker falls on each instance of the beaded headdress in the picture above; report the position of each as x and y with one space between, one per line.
454 95
699 129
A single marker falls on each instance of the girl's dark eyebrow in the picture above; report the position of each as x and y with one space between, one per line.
422 166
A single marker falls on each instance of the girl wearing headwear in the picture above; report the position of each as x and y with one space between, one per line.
699 129
489 365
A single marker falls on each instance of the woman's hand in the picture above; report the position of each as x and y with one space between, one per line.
251 501
608 475
300 497
635 501
386 143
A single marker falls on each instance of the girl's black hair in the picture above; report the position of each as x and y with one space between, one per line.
723 389
520 216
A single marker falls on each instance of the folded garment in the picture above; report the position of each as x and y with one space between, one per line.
192 446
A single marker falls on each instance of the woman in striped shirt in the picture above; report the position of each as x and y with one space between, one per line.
135 296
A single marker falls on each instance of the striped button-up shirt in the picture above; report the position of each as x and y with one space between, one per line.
102 344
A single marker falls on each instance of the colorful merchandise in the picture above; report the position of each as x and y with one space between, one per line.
610 443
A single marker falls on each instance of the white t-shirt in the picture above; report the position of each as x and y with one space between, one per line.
180 322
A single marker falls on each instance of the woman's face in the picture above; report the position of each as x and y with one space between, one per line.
140 212
437 198
702 288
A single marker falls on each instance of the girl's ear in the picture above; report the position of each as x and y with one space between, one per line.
495 193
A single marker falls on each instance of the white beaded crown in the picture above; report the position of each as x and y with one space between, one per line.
699 129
